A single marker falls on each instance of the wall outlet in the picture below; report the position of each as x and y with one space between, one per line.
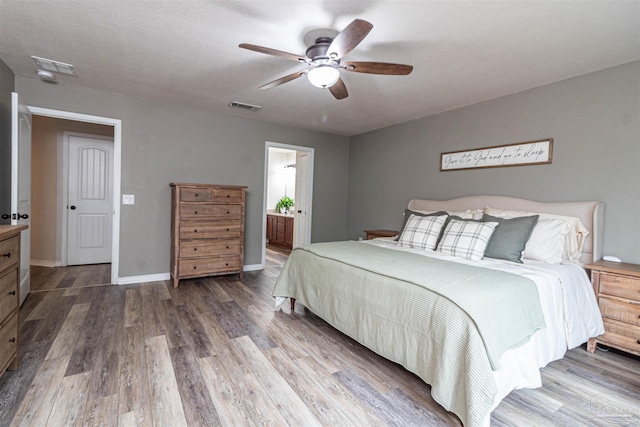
128 199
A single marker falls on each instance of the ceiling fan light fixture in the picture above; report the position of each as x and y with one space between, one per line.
323 76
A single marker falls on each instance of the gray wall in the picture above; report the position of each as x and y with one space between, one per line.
593 119
6 87
171 143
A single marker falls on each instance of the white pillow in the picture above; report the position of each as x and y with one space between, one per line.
466 239
547 241
573 239
422 232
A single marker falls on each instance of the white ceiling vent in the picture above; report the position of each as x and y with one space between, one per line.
55 66
251 107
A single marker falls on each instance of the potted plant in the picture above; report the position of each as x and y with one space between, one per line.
284 204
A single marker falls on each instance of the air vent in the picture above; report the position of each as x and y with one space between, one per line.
251 107
55 66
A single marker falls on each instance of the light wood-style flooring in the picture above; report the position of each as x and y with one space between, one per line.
214 352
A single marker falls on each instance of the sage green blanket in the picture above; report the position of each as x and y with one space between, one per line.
447 322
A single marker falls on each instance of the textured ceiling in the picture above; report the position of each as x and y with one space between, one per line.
186 52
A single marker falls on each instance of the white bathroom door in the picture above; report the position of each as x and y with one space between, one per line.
301 234
21 185
90 204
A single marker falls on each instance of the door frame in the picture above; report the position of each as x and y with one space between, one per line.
117 170
63 196
308 150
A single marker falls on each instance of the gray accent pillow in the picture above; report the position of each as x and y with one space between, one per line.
511 236
409 212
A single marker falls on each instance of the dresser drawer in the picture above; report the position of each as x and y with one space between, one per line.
209 229
9 252
8 339
195 211
199 266
195 195
621 311
8 292
227 195
201 248
620 286
621 336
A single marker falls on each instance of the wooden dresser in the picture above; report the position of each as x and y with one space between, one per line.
9 295
207 230
617 287
280 229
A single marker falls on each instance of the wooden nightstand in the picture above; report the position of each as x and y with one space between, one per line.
617 287
372 234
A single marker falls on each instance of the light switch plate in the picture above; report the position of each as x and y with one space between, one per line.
128 199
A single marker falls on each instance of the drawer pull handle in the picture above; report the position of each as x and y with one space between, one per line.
196 194
12 293
194 267
227 247
638 341
228 195
227 264
12 339
195 249
7 255
227 229
195 231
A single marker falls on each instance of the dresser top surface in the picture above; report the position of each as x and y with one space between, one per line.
186 184
7 231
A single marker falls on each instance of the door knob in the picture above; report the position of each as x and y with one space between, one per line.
23 216
72 207
6 216
300 212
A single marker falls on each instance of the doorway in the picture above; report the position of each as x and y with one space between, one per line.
289 174
113 190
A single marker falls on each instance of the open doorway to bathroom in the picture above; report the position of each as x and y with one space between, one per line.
288 188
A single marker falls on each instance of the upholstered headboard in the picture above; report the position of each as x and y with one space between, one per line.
590 213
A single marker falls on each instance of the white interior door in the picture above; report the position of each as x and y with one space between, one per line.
21 185
301 229
90 200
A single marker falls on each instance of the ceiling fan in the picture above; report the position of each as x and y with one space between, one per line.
324 60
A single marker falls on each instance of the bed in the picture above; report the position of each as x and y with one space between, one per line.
473 327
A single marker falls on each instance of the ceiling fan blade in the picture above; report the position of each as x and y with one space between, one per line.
339 90
274 52
349 38
284 79
378 68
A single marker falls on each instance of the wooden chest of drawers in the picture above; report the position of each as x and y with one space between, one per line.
207 230
617 286
9 295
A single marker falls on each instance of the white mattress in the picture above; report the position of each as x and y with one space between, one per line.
569 306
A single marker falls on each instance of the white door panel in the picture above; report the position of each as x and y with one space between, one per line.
21 185
90 203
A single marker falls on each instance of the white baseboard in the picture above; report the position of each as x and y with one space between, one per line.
144 278
253 267
42 263
167 276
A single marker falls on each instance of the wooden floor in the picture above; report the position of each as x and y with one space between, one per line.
214 352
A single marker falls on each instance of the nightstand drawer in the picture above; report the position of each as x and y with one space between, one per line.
9 253
620 286
620 336
621 311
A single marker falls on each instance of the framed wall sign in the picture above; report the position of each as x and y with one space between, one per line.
519 154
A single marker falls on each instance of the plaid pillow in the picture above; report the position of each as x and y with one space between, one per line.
421 232
466 239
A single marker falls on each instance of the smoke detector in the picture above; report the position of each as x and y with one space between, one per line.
47 76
